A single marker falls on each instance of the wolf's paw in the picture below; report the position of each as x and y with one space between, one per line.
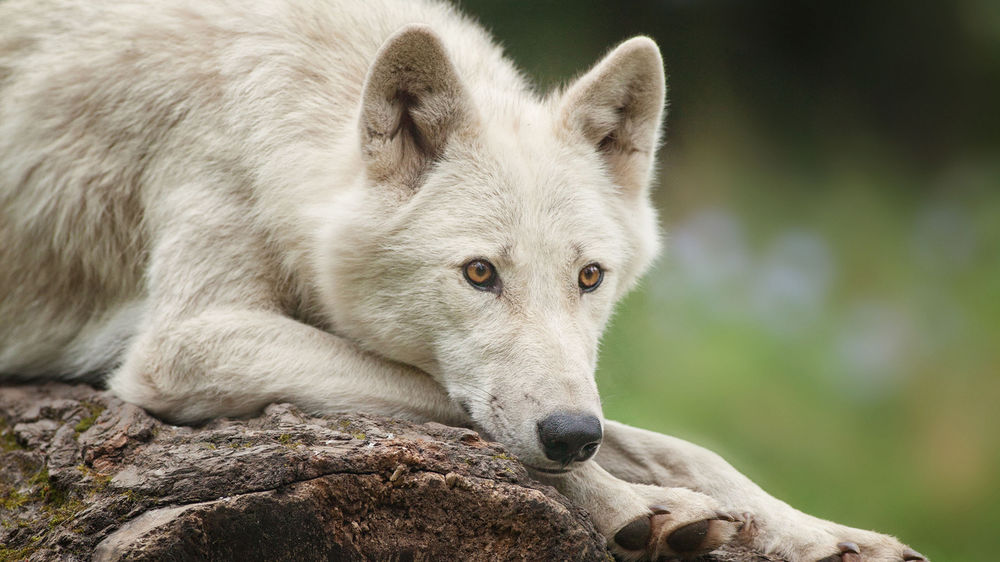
885 549
681 528
659 534
807 539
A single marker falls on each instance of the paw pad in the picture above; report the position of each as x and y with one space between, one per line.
688 538
654 535
635 535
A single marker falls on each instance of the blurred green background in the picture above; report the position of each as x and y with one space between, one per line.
827 312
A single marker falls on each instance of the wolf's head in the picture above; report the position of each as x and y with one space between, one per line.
493 233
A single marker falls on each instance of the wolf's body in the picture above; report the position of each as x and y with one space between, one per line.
220 204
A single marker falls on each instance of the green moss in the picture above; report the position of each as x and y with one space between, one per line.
40 477
43 490
359 435
52 506
13 554
93 412
11 499
504 457
133 497
99 481
287 440
64 512
8 441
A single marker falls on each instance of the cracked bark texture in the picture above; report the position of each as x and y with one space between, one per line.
85 476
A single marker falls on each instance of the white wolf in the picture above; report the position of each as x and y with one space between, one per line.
352 206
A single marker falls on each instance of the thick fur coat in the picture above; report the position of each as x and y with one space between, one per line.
215 205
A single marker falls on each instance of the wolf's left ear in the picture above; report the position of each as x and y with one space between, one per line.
412 103
618 106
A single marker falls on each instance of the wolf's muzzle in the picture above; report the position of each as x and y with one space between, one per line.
568 438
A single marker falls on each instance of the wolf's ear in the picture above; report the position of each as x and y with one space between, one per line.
411 103
618 106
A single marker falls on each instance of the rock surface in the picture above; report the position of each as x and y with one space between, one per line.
86 476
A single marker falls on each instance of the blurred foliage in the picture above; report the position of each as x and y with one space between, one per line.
827 312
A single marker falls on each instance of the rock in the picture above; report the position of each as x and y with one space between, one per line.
86 476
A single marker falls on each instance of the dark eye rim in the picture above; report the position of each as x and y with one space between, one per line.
600 277
492 283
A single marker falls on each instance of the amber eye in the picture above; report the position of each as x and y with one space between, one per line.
480 274
590 277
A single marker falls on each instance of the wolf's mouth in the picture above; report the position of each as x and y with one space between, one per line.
486 434
548 470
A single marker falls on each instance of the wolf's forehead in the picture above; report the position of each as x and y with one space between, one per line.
530 165
518 197
534 179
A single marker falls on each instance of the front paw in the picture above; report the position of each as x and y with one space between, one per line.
801 538
685 525
884 549
659 534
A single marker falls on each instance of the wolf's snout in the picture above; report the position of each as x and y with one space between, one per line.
570 437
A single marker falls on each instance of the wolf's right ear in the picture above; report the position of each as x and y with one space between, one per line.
411 103
617 107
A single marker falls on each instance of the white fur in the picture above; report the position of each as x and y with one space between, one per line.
222 204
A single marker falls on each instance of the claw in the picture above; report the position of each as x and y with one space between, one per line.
725 516
847 546
849 552
746 527
912 555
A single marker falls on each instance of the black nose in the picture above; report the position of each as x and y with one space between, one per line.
570 437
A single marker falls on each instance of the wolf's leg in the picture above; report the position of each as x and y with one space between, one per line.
217 341
229 362
642 521
770 525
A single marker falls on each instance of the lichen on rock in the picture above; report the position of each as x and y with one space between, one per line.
85 476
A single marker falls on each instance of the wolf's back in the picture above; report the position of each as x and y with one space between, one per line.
108 108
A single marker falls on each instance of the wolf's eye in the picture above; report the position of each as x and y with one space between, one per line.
480 274
590 277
